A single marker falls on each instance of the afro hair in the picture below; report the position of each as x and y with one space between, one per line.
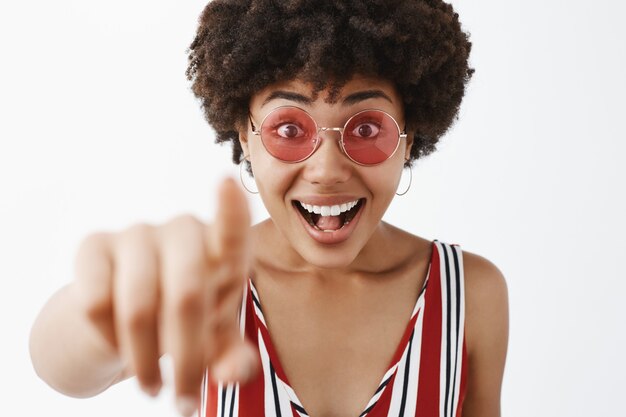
242 46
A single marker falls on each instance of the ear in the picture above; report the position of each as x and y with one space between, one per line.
243 141
243 138
409 144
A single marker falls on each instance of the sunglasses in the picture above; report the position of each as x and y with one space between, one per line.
291 135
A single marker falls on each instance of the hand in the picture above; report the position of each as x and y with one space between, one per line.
175 289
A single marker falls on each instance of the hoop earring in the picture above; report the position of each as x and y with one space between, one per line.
243 159
410 181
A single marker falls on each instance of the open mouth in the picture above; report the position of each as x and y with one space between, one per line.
329 218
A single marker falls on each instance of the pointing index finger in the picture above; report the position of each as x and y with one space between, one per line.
229 233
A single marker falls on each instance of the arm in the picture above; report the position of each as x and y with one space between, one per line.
149 290
486 329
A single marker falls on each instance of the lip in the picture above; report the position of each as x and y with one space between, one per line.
337 236
327 201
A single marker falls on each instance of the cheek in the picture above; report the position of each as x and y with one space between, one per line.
384 181
273 178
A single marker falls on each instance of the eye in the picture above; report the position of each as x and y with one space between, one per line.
366 130
289 131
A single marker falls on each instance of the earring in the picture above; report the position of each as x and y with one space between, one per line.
410 181
241 163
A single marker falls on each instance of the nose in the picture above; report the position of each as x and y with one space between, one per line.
328 165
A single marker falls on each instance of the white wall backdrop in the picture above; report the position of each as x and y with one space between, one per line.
98 130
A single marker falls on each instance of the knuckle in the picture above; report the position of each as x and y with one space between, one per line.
140 230
183 247
146 375
190 267
189 302
184 222
94 245
134 235
137 318
96 308
232 241
94 241
92 271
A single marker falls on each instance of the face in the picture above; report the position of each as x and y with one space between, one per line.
349 198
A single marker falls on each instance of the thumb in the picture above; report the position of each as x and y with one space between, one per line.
240 363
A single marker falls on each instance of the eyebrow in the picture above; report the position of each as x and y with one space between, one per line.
364 95
347 101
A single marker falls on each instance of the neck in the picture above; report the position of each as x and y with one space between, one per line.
387 250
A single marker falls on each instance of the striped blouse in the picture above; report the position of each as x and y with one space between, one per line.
426 376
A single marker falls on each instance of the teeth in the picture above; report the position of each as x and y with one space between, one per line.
335 210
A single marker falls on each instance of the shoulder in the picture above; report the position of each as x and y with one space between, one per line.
484 281
486 302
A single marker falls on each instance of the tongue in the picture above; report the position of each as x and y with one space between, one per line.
328 222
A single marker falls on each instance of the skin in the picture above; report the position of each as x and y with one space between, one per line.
376 264
175 288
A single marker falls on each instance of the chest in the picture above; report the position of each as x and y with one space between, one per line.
336 343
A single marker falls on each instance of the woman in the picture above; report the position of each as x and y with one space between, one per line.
325 104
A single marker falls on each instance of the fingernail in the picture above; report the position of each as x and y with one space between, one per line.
222 371
186 405
243 372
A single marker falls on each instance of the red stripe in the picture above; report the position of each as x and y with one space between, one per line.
252 400
211 404
270 349
429 375
384 402
405 340
252 394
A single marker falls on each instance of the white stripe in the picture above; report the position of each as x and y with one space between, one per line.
456 349
283 399
226 404
459 352
290 393
418 307
228 390
220 389
398 384
242 311
376 396
444 330
259 313
205 393
453 323
236 406
267 381
416 356
423 295
232 397
414 367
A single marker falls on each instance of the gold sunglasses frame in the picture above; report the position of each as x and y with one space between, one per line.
401 134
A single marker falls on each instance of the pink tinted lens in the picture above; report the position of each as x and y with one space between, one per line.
370 137
289 134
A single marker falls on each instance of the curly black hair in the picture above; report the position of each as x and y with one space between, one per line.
242 46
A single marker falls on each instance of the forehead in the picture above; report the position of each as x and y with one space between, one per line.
377 88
